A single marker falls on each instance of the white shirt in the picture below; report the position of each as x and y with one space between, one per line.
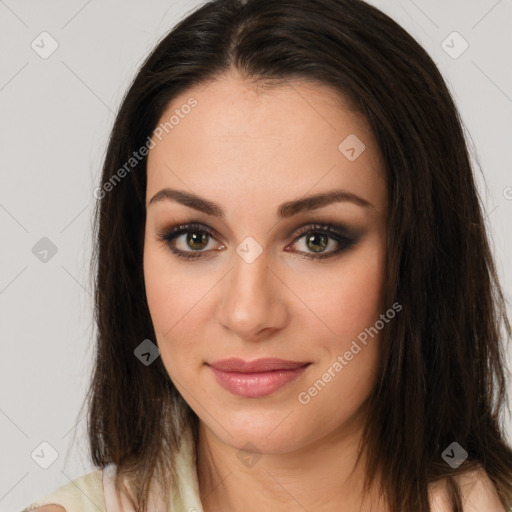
94 491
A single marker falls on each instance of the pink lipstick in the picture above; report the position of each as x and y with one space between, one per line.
255 379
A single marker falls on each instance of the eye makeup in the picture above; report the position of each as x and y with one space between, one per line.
199 233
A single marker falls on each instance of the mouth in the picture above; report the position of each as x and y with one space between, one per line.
256 379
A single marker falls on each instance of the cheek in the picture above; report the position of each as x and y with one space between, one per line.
174 300
170 291
351 298
351 305
361 297
159 293
347 374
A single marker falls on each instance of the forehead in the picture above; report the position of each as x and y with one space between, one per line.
241 142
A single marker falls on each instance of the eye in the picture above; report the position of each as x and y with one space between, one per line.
191 241
195 237
319 237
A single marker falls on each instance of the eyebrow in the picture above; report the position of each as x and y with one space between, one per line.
285 210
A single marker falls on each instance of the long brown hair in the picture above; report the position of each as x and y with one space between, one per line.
442 372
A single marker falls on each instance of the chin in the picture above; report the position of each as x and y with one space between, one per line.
268 437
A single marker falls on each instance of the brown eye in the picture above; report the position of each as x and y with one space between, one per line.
194 244
317 242
197 240
319 239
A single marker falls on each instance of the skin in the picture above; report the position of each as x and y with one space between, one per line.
477 491
249 151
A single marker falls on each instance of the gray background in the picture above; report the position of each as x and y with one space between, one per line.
55 121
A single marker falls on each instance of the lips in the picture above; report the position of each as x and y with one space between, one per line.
258 366
256 379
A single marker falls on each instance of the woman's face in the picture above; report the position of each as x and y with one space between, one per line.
245 163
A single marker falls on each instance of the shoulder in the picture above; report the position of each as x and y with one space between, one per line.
49 508
477 490
84 494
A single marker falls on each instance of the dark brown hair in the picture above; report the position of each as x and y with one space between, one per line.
442 375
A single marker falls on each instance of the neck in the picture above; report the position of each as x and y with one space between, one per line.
321 476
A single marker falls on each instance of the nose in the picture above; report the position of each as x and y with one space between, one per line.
253 302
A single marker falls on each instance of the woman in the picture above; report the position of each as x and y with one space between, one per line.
296 301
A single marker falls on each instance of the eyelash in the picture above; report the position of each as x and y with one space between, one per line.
333 232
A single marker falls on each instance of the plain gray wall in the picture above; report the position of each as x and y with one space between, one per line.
56 116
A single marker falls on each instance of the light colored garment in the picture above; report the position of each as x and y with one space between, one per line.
94 492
